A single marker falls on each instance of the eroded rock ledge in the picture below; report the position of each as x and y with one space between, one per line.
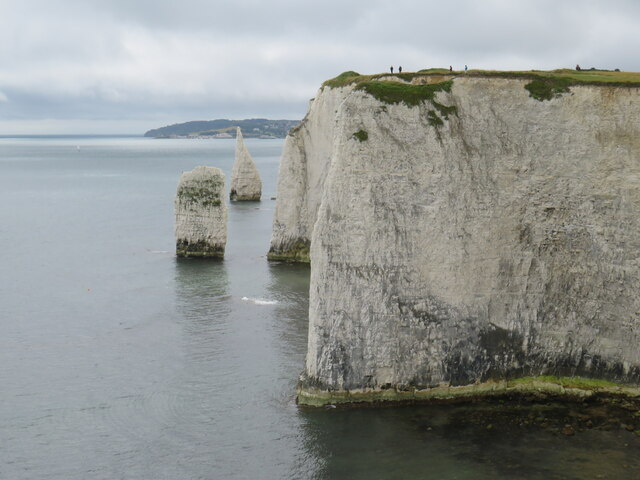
540 388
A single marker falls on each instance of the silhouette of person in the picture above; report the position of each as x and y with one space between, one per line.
450 68
399 69
578 68
391 68
465 68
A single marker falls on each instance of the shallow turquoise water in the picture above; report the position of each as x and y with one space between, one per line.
118 360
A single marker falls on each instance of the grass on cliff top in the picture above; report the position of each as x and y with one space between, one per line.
573 77
351 77
390 91
543 85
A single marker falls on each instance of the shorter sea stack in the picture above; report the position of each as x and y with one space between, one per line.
245 179
201 214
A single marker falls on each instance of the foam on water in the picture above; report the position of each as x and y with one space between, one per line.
258 301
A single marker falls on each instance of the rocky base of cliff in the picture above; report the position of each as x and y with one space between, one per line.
297 251
236 197
529 388
200 249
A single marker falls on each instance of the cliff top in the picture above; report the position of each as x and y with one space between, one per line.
574 77
414 87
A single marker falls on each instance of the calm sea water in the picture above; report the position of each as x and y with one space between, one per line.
119 361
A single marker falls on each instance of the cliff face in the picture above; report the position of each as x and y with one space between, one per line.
481 235
201 214
305 162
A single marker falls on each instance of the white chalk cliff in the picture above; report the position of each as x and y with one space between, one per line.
201 213
303 169
480 234
245 179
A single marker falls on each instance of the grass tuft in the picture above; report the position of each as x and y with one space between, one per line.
361 135
434 70
547 88
344 79
433 119
444 110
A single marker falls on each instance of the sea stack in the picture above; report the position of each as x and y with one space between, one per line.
245 179
474 235
201 214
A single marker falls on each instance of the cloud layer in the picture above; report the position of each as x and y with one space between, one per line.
141 64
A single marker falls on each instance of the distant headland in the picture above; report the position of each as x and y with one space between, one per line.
223 128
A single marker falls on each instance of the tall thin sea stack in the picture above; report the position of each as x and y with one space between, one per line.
201 214
245 179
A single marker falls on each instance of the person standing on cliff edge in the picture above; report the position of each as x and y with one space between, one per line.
399 69
391 68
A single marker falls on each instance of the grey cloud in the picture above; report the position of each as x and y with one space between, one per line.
122 59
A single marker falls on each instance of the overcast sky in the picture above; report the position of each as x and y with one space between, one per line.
126 66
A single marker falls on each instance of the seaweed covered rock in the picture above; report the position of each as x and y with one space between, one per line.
201 214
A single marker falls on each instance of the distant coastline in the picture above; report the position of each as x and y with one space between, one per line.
223 128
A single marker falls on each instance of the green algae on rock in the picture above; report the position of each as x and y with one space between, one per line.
295 252
569 388
199 249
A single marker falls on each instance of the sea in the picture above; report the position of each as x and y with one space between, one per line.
120 361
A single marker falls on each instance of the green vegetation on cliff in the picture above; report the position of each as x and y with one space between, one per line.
361 135
546 89
566 382
434 119
204 193
344 79
572 77
543 85
396 92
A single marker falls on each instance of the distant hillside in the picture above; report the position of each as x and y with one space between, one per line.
222 128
